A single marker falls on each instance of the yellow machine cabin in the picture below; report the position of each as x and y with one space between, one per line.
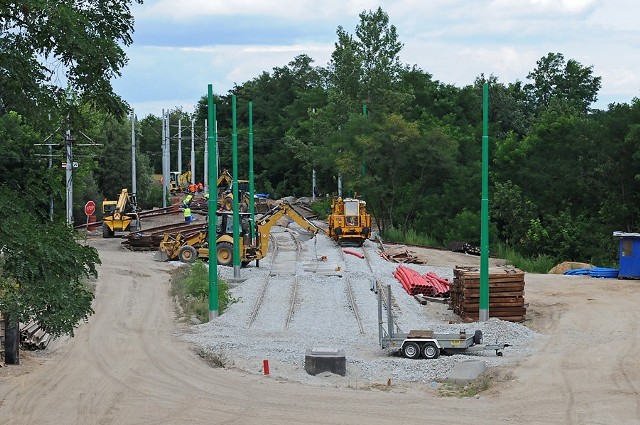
349 222
118 216
179 182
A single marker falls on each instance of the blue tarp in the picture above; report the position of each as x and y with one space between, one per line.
594 272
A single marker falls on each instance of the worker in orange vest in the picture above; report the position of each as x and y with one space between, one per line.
200 187
192 188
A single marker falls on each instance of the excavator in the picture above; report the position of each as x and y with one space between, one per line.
349 222
179 182
225 192
188 247
120 215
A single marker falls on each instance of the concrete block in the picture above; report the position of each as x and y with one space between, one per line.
466 371
320 360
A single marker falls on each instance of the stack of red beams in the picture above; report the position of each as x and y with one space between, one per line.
414 283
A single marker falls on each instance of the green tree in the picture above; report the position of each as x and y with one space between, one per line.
569 81
81 41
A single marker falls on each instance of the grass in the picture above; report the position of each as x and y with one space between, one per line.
190 286
537 264
410 237
472 389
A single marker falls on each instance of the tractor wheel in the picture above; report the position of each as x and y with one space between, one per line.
225 254
477 337
106 232
187 254
411 350
430 351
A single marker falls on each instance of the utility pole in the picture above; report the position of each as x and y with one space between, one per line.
206 161
193 152
164 163
133 153
68 147
180 147
313 186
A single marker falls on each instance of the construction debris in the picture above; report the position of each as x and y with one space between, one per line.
33 336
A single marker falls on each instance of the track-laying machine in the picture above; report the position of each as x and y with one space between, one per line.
188 247
349 222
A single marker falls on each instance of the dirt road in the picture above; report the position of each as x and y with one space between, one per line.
126 367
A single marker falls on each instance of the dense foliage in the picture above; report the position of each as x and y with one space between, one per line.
563 176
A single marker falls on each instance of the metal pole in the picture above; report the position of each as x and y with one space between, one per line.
212 235
133 153
484 210
313 185
179 146
340 185
206 160
69 176
236 214
50 166
251 185
193 153
164 163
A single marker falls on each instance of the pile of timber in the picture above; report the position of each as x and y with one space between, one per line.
34 337
506 293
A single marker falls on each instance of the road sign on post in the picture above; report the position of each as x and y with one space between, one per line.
90 208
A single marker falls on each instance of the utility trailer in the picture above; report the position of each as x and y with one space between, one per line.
425 343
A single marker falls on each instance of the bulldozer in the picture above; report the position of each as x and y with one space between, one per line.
120 215
188 247
349 222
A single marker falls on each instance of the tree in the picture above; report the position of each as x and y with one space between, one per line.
556 79
78 41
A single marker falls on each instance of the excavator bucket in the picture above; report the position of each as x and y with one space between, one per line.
160 255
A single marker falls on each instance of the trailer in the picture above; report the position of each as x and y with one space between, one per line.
427 343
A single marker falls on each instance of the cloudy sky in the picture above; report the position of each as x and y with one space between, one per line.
181 46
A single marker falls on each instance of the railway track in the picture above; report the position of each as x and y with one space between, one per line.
351 300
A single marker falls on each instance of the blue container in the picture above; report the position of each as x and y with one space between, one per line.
629 252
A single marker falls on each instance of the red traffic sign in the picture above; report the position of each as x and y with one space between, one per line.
89 208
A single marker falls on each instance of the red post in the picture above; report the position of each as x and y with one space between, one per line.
265 366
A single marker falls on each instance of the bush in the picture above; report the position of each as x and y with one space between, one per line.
190 286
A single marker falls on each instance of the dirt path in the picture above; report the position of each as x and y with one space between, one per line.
126 367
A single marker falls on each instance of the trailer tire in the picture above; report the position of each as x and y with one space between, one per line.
430 350
477 337
187 254
411 350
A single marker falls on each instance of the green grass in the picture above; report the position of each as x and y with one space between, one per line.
537 264
410 237
190 286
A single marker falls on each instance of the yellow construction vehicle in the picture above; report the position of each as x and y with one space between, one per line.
188 247
349 222
179 182
225 192
120 215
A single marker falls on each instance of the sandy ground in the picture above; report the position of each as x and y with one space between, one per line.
126 366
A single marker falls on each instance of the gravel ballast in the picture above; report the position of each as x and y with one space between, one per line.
323 318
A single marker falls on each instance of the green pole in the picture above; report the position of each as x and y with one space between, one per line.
236 214
212 204
484 210
251 187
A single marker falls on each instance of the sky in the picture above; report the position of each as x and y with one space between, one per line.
181 46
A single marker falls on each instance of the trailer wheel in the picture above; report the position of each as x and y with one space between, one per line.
187 254
225 254
430 350
477 337
411 350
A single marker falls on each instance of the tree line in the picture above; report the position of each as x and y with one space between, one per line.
562 174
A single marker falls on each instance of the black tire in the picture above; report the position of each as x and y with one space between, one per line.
187 254
225 254
245 263
411 350
430 350
106 232
477 337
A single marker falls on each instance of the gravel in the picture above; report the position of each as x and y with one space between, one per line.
323 318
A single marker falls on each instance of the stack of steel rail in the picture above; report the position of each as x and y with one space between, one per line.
33 336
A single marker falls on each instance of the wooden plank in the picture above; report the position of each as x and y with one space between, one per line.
469 293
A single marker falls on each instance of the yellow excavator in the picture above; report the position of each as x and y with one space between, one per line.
120 215
188 247
349 222
225 192
179 182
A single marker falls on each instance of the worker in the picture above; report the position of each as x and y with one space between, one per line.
187 200
206 195
187 214
200 187
192 188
